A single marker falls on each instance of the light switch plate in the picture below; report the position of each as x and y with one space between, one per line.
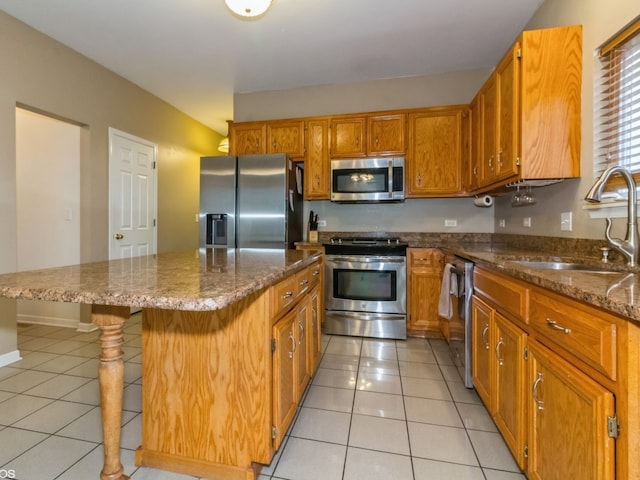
526 222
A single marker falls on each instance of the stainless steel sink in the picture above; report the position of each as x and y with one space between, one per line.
553 265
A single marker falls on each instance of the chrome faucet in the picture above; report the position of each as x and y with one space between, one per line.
630 246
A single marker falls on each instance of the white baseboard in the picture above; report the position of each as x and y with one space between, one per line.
86 327
9 358
57 322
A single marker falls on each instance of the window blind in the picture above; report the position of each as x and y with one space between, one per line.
617 117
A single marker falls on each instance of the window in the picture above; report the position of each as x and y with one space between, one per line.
618 104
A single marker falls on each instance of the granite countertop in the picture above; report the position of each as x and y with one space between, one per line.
198 279
617 292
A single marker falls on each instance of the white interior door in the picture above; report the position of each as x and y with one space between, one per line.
132 195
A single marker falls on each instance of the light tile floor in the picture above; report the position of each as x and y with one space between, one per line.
376 409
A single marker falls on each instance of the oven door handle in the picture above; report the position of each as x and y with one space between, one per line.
364 259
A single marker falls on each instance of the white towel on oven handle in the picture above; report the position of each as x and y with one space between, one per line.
449 279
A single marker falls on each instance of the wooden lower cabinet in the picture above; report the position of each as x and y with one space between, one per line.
296 347
509 391
559 377
222 387
481 361
498 372
315 328
568 415
424 278
284 376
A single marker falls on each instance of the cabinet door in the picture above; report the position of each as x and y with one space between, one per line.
316 165
567 421
434 158
489 109
425 280
348 137
284 375
386 134
507 74
247 139
510 382
286 137
301 356
476 144
481 355
315 330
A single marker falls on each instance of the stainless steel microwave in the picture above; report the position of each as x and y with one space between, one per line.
362 180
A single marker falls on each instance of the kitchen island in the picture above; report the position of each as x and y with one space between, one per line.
207 320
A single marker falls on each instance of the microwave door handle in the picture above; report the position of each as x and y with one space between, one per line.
390 182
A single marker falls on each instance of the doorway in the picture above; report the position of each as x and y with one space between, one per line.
48 206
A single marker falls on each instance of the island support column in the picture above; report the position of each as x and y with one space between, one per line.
110 320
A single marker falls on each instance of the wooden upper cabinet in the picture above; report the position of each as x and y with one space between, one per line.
247 138
286 137
386 135
530 110
316 165
434 160
348 137
369 135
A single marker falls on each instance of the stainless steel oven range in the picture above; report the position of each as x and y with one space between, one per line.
366 287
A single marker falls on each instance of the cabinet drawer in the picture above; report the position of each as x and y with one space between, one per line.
283 294
424 258
512 297
315 271
580 330
303 281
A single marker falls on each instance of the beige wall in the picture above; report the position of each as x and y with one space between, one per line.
45 75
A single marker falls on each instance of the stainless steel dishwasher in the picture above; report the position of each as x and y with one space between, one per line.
461 273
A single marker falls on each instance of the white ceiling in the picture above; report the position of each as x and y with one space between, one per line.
195 54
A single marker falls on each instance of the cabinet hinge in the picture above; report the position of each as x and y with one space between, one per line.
154 222
612 426
273 345
153 165
519 53
273 432
517 161
525 353
526 451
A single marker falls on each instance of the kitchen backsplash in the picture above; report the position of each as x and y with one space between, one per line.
555 246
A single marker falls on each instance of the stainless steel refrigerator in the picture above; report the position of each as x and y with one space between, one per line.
251 201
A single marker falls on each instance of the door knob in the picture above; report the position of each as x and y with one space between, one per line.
118 236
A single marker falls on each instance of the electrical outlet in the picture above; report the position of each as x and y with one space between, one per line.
566 221
526 222
502 223
322 223
450 223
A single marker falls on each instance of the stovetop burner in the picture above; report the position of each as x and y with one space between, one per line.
365 246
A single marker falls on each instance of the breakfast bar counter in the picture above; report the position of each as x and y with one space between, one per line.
199 292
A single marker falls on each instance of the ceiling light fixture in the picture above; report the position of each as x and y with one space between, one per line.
223 146
248 8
